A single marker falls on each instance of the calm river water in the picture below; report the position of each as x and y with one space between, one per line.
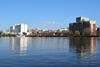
49 52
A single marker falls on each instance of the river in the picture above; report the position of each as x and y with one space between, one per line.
49 52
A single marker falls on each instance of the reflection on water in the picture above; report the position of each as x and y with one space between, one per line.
84 47
19 45
49 52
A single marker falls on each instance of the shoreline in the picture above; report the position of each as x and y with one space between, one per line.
51 36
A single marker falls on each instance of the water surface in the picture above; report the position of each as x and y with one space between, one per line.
49 52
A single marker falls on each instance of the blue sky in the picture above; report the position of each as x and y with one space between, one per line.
46 14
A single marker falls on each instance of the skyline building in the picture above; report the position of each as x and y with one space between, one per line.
19 29
84 25
12 29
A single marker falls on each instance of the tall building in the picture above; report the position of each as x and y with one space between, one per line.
84 25
19 28
12 29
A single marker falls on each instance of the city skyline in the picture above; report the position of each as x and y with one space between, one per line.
46 14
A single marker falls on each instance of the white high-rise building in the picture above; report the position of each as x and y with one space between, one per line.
19 28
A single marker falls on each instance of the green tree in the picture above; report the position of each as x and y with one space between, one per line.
77 33
58 33
24 33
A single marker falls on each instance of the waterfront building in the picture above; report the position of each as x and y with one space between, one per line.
19 28
12 29
98 31
34 31
84 25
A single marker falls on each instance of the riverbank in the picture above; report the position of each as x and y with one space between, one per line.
61 36
49 36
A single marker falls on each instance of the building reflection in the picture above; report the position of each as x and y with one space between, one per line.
83 46
19 45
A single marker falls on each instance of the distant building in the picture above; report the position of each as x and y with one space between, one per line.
82 19
98 31
63 29
19 28
12 29
84 25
